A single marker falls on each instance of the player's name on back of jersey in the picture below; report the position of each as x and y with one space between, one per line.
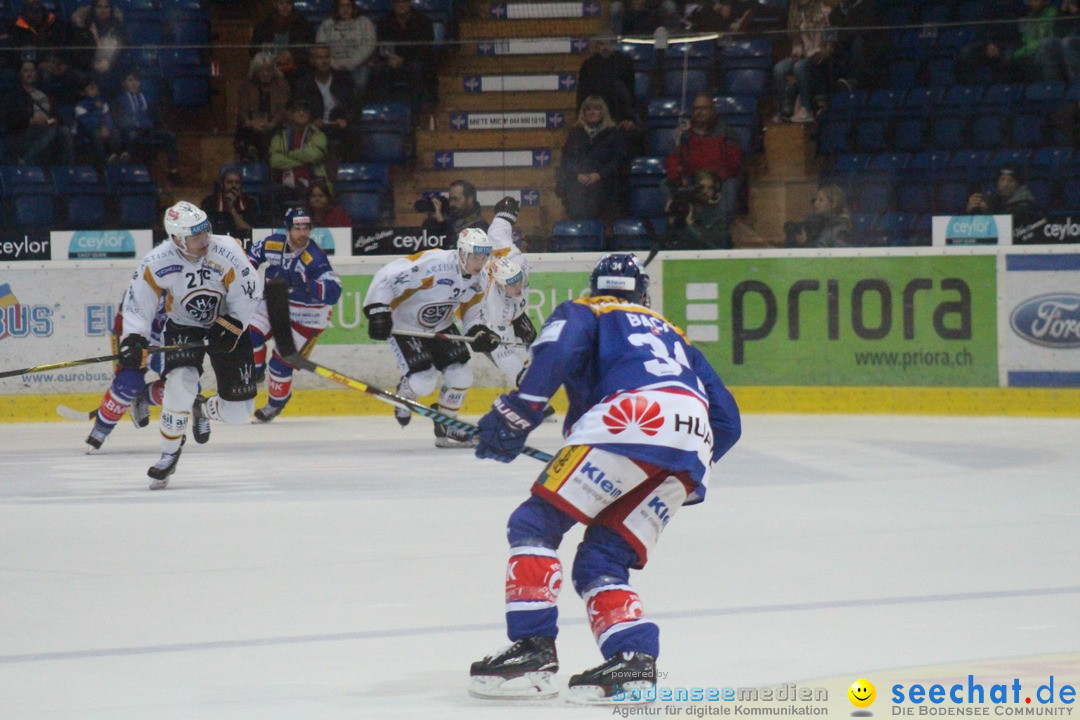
533 46
545 10
456 159
519 82
519 120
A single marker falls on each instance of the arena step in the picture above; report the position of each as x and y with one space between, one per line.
455 101
510 64
526 28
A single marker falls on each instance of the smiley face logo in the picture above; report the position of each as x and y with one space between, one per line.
862 693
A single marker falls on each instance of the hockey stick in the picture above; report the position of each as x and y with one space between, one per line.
70 413
90 361
450 336
277 306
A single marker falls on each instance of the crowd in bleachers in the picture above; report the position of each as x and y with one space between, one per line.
916 106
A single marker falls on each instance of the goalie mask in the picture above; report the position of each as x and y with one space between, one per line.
509 276
474 250
620 275
189 228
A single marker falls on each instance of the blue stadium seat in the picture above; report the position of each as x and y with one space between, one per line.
1017 157
833 137
746 81
363 206
1027 130
870 135
31 194
631 234
82 194
1051 162
1044 97
191 87
1001 97
896 228
135 194
577 236
369 176
847 105
733 105
960 100
644 57
903 73
663 116
913 197
947 132
314 11
971 166
755 53
190 27
647 193
689 63
867 229
386 133
1070 194
989 130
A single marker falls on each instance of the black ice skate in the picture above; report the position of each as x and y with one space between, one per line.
140 409
446 437
166 466
522 671
629 677
97 435
267 413
200 421
402 414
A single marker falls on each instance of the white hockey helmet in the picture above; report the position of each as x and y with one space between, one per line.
473 243
506 272
183 220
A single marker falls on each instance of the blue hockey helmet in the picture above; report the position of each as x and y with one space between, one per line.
297 216
620 275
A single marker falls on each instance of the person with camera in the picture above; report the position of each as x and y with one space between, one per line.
449 214
696 218
231 212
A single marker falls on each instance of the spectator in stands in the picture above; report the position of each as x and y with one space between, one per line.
325 211
989 57
720 16
98 31
593 159
698 222
351 39
38 29
287 34
1059 56
335 107
1012 197
829 225
140 128
1035 29
60 81
45 140
405 58
705 146
643 17
609 73
298 151
797 77
857 50
459 210
95 131
262 99
231 212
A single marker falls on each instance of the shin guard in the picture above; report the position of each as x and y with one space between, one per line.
533 581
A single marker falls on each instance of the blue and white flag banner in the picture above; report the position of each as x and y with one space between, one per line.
533 46
519 83
533 120
455 159
544 10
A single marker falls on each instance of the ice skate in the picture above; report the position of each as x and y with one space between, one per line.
629 677
267 413
200 421
402 414
166 466
97 436
140 410
448 438
522 671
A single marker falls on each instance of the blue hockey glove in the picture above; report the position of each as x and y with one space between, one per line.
504 429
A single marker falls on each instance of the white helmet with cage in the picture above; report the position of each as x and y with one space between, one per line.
183 220
473 244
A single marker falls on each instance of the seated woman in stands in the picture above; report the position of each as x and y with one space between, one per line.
325 211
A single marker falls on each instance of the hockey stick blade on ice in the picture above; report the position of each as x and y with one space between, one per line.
277 306
91 361
70 413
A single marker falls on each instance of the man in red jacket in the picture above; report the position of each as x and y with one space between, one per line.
704 146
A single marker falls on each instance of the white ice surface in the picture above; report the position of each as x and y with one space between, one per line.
344 568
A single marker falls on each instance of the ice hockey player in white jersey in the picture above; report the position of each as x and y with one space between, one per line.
420 294
211 293
505 311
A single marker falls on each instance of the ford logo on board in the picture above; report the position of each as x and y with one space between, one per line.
1051 320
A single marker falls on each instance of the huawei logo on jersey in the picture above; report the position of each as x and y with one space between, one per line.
634 411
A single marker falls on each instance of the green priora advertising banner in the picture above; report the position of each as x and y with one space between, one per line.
846 321
348 326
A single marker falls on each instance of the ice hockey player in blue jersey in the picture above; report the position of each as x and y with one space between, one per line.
648 417
313 291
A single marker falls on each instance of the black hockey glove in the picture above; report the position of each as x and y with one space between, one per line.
484 339
503 431
507 209
380 323
132 354
223 335
524 328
